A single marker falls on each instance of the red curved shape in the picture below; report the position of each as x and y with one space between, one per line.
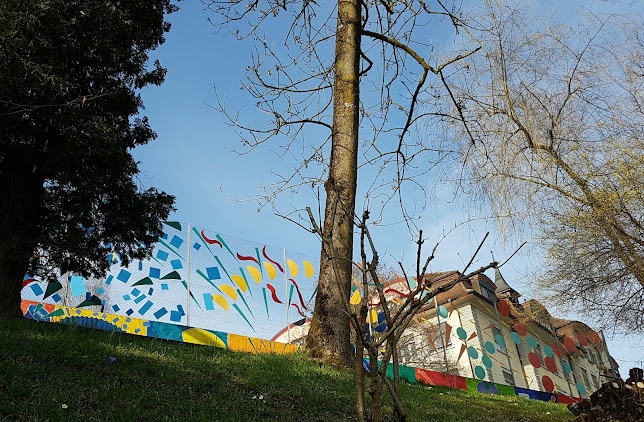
298 309
397 292
211 241
273 262
594 337
27 281
272 289
298 293
247 258
581 337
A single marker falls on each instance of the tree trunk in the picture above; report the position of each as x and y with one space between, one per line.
359 379
12 272
375 389
329 335
20 204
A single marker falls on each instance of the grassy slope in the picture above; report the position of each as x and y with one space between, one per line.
57 372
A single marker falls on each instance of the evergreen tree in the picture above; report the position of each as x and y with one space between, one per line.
69 117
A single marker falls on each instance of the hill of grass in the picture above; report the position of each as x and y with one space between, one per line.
58 372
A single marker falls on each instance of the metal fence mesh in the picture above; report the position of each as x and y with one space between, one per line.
199 278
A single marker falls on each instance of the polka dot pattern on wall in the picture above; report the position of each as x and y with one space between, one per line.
547 383
461 333
534 360
474 354
479 372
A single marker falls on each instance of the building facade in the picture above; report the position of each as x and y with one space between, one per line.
479 329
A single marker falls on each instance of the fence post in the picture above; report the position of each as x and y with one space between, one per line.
67 290
287 301
188 280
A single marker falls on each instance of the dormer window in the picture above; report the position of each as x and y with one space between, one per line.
487 291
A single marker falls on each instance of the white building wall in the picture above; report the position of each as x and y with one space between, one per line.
477 317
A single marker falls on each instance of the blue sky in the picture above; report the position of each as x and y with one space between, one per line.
193 159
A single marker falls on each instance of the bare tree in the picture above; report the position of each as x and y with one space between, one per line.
557 120
341 68
397 318
423 348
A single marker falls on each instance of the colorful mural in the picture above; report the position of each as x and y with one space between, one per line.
424 376
199 278
204 287
546 360
141 327
87 318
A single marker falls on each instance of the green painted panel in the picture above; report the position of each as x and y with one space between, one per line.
506 390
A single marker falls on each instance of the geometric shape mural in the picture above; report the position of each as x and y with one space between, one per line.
228 284
116 323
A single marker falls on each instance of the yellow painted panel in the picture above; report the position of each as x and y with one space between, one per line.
293 267
308 268
239 280
254 272
117 320
229 290
356 298
373 316
270 269
254 345
199 336
221 301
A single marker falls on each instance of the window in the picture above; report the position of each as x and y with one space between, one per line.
488 292
584 374
407 348
600 358
507 376
496 333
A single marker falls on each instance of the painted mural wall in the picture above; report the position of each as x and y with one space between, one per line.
204 287
482 346
196 277
47 312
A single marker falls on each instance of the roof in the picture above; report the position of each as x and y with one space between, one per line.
535 308
501 285
436 280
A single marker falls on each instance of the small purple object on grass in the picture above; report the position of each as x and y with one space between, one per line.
111 360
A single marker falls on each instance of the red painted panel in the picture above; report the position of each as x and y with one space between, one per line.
436 378
567 400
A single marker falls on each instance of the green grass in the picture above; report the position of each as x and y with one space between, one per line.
57 372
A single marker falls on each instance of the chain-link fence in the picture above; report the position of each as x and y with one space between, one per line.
199 278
